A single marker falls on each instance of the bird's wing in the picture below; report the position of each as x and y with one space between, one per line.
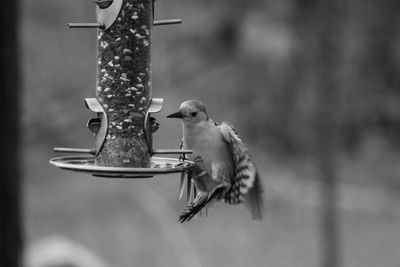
200 202
246 185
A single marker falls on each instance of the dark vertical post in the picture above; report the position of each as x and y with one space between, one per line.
124 84
328 19
10 223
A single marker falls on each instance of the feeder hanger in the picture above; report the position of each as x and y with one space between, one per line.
105 20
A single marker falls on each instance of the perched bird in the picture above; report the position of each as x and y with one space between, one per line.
223 168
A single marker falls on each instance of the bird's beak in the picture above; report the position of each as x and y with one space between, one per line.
178 115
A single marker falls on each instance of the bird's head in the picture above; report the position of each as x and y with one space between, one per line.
191 112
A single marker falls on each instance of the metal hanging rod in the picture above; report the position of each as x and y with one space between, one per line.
96 25
167 22
86 25
75 150
171 151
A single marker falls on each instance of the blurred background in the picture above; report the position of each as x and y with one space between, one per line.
313 88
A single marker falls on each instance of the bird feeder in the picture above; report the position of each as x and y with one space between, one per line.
123 125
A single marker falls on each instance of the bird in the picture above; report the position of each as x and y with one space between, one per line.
223 168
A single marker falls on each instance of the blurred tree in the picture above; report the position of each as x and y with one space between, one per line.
322 24
328 16
10 223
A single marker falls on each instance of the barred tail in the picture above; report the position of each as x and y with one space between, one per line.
254 199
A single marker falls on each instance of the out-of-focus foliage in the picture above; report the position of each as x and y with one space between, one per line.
258 56
271 47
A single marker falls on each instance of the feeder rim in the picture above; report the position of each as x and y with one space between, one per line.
86 164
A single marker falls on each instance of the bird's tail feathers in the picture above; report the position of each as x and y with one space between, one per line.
254 199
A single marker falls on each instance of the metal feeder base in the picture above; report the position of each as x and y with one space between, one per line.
86 164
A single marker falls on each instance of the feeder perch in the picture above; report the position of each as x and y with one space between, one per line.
123 125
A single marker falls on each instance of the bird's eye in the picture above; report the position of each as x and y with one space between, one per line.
194 114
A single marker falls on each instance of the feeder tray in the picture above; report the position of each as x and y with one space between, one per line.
87 164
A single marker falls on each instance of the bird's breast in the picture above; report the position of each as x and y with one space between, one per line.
210 146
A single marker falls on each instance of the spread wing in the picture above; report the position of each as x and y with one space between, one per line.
246 185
